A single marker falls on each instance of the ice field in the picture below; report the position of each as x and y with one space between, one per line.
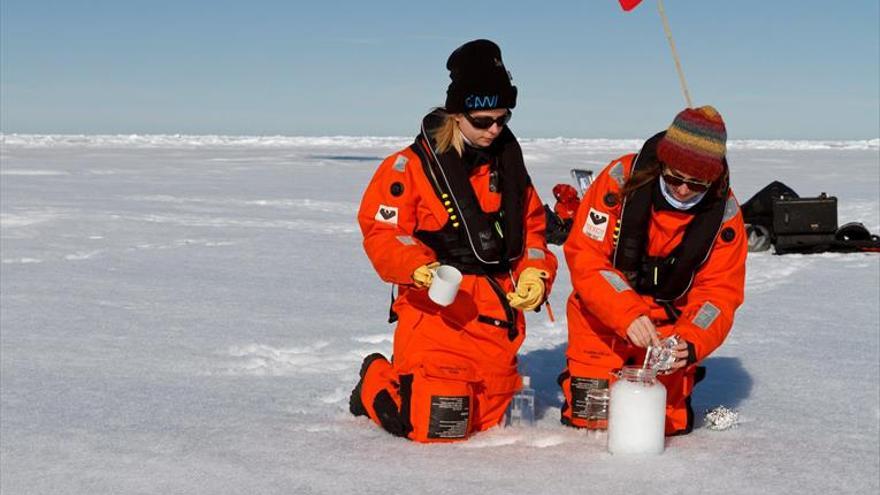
187 314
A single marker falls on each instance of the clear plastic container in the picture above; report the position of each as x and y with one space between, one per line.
597 408
522 407
637 413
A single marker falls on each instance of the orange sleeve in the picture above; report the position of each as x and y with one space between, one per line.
535 253
717 290
388 218
602 289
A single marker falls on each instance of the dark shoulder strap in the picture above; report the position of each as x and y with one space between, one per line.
635 216
514 181
419 148
691 252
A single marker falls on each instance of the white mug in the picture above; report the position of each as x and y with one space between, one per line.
444 287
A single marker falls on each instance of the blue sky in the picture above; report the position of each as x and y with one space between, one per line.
787 69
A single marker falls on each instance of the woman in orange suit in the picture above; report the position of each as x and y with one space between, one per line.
459 195
657 250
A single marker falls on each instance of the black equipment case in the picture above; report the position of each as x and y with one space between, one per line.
793 216
804 225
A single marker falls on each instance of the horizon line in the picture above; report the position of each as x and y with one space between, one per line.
179 135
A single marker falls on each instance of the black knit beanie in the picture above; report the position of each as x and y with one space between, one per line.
479 79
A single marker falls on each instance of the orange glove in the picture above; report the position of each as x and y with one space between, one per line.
424 275
529 290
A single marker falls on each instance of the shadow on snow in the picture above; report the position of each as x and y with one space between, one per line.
727 382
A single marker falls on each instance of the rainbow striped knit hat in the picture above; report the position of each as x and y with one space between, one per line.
695 143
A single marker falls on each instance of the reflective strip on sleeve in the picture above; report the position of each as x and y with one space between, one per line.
400 163
535 254
730 209
406 240
707 315
615 280
616 173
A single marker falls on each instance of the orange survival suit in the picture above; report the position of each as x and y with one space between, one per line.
454 369
686 289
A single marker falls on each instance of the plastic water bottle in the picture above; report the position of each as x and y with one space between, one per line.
522 407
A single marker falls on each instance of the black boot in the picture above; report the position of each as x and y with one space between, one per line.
355 403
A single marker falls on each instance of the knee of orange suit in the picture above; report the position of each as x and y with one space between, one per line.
381 391
442 402
420 405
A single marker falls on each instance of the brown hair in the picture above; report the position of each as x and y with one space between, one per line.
641 177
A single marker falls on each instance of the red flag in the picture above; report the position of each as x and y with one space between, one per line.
629 4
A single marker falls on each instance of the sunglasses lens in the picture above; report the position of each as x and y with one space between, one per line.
675 181
672 180
482 122
486 122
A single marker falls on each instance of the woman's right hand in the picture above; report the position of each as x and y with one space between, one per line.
424 275
642 332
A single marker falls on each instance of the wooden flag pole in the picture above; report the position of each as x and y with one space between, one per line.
684 88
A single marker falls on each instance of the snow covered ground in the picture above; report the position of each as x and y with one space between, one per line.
188 314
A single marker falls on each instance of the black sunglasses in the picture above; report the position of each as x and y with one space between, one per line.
675 181
486 122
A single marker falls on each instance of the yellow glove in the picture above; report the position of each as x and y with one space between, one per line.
423 276
529 290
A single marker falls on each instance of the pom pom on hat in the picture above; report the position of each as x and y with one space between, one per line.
479 79
695 143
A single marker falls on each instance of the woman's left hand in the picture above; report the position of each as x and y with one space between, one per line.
681 357
529 293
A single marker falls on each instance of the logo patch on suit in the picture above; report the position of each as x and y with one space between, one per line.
387 214
596 225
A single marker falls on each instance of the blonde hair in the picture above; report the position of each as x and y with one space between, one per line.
448 135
